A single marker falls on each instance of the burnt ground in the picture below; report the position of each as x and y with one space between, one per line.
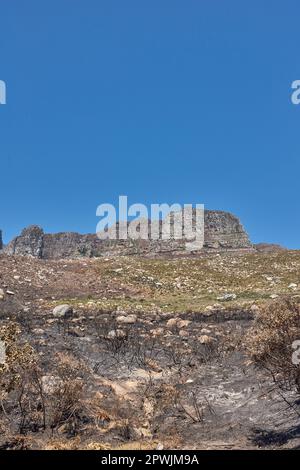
171 378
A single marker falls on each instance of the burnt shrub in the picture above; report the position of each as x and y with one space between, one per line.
272 341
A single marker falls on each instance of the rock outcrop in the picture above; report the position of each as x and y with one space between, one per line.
29 243
222 230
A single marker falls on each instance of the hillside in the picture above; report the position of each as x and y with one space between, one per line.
154 346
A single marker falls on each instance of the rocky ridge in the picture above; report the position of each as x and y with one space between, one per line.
222 231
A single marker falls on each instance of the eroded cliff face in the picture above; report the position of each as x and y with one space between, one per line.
222 230
29 243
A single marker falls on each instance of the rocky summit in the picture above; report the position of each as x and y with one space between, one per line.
222 231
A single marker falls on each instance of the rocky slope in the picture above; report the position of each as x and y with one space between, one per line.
222 230
157 346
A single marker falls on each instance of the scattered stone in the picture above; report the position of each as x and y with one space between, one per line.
10 292
38 331
63 311
209 308
171 322
227 297
205 339
116 334
205 331
88 339
183 323
217 306
128 319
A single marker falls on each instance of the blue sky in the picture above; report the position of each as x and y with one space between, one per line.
161 100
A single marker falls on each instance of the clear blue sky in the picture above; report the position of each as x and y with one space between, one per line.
164 101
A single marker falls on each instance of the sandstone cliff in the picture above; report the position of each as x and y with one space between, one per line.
222 230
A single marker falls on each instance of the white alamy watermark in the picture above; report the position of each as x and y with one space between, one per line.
2 92
2 353
295 97
163 222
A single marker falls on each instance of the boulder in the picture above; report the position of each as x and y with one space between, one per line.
29 243
126 320
63 311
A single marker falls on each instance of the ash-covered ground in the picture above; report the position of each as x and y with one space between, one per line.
158 348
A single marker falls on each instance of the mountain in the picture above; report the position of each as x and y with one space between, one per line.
222 231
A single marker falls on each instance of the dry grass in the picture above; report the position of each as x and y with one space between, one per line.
190 284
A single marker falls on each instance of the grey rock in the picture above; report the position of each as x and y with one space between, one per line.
29 243
128 319
63 311
10 292
116 334
227 297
